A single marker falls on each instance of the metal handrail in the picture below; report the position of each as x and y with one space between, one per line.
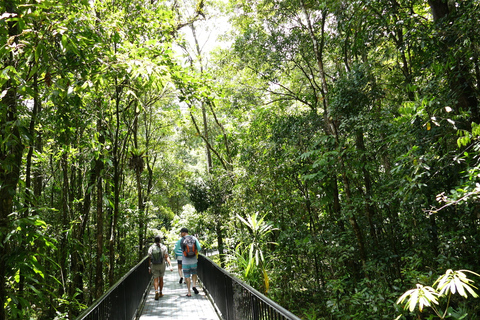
122 300
236 300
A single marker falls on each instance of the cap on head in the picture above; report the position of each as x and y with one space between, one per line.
184 230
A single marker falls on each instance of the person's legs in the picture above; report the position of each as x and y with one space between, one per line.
160 285
180 272
155 285
193 271
188 281
161 271
186 274
158 271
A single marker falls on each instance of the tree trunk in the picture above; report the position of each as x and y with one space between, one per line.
64 226
370 210
116 209
330 123
353 221
439 8
79 232
141 215
116 179
313 231
29 196
458 77
205 133
11 151
318 51
208 154
337 208
137 165
99 234
218 230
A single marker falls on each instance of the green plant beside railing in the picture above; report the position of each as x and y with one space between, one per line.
250 255
451 283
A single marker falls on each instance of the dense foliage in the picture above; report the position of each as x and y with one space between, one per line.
329 152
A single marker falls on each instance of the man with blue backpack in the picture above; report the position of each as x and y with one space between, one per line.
190 248
157 259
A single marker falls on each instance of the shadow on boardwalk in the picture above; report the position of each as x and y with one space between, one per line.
175 304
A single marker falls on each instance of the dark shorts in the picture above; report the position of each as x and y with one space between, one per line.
179 260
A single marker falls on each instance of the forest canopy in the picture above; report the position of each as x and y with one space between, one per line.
329 150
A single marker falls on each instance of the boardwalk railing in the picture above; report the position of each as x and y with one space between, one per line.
236 300
123 299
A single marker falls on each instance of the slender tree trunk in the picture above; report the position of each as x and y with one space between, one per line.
116 178
218 230
33 134
205 133
313 232
330 123
11 151
337 208
98 260
208 154
141 214
137 165
116 209
29 196
318 51
100 219
108 213
353 219
370 210
64 227
79 233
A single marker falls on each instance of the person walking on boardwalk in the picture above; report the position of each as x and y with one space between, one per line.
179 255
190 248
157 259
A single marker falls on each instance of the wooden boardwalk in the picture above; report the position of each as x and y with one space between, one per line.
175 304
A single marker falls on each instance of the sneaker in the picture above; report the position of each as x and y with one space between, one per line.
181 280
156 295
160 295
195 290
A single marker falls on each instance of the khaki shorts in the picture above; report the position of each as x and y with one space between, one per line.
158 270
